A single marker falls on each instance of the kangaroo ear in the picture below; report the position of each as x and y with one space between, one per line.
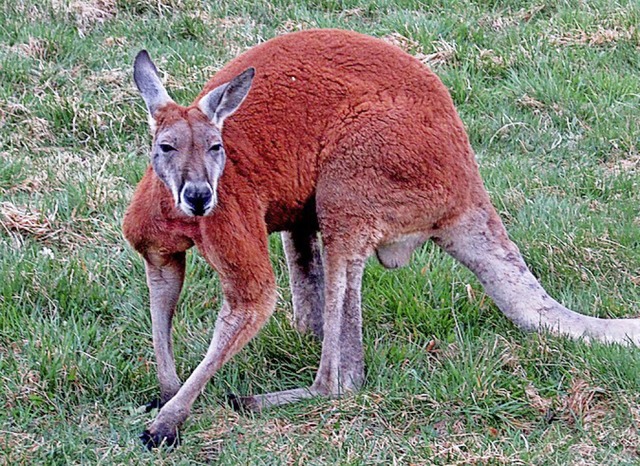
146 77
225 99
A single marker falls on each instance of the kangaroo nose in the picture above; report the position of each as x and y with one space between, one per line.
197 197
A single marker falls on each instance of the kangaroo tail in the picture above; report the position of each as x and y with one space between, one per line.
479 240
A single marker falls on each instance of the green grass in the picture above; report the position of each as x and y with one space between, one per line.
550 94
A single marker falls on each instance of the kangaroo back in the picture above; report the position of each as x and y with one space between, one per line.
315 90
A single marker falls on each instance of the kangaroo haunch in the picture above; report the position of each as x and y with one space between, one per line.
337 135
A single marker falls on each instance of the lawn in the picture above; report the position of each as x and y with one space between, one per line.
549 92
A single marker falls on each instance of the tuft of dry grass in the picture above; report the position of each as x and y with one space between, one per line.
510 20
18 445
626 163
32 223
444 53
30 185
538 107
585 404
87 13
293 26
34 48
34 130
28 222
403 42
490 58
229 23
601 36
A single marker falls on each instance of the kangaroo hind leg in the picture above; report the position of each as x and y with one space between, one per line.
479 240
348 213
342 362
306 278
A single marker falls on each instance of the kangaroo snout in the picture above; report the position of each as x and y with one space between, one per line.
196 199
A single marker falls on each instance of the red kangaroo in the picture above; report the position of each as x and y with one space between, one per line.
348 146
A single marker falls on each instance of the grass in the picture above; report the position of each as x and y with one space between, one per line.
549 92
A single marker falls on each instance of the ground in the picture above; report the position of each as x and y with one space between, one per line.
549 92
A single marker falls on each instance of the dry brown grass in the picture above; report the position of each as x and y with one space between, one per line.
33 183
511 19
491 57
405 43
585 403
31 130
22 222
595 417
444 52
601 36
28 381
229 23
293 26
34 48
87 13
18 445
349 423
539 107
398 441
18 388
628 163
28 222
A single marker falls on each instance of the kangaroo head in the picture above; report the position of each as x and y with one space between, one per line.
188 152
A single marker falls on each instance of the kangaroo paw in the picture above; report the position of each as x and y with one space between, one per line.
168 438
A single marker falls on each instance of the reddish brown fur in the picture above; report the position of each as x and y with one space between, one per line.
290 130
344 134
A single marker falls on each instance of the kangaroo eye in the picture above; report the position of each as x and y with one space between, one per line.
215 147
167 148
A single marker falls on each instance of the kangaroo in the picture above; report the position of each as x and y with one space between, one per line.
348 146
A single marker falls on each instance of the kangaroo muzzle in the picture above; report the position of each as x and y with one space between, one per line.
196 199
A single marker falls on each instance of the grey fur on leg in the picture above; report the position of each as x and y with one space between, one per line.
165 276
306 278
351 350
327 381
342 362
234 327
479 240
